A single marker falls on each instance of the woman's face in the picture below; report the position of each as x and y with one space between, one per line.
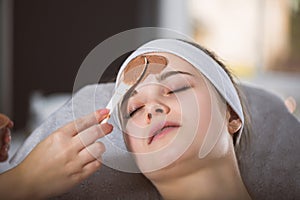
171 115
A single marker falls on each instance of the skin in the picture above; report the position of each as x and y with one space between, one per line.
171 160
65 158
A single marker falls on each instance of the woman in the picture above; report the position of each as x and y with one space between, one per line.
179 127
182 121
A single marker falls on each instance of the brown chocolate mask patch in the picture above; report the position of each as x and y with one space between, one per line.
136 66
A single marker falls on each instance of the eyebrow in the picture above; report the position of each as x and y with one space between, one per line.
164 76
172 73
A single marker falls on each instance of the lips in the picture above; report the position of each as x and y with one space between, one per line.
161 129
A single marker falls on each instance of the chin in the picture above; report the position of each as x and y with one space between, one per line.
179 167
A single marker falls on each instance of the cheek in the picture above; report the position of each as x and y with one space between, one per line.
196 117
213 124
196 111
205 114
134 135
131 143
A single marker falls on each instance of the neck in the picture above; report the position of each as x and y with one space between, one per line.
219 180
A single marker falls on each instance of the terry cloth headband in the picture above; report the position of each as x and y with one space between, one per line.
199 59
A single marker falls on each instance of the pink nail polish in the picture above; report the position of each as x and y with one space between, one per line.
104 111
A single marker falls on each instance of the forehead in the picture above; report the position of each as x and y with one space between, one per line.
174 62
159 64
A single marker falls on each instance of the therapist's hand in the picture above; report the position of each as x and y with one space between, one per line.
66 157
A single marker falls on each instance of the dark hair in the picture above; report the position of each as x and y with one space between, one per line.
247 128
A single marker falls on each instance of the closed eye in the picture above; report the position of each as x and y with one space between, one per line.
179 89
133 112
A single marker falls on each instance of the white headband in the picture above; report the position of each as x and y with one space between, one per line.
199 59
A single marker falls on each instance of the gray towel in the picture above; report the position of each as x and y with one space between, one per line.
269 162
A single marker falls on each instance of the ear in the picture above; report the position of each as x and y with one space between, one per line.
234 122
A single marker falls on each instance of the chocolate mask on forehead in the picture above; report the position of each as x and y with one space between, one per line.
136 66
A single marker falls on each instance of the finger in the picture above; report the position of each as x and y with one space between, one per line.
3 157
86 171
91 153
90 168
4 149
7 136
10 124
90 135
4 152
85 122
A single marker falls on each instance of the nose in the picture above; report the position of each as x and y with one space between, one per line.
157 109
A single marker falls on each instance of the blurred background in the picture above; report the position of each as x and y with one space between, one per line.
44 42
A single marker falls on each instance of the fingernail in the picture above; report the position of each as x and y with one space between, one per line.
5 147
107 128
104 111
7 136
11 124
7 139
